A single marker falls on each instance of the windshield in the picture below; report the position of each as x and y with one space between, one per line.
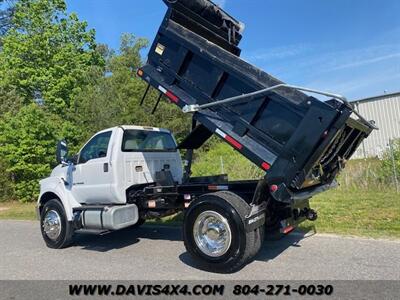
150 141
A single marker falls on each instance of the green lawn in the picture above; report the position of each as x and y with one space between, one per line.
17 211
369 213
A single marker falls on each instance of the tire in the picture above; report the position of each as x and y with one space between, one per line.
259 234
55 237
139 223
259 238
231 211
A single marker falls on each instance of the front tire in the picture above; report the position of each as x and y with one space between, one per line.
214 232
56 230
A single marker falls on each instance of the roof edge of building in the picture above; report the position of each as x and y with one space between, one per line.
375 98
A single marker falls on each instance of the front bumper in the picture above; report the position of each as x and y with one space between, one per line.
37 209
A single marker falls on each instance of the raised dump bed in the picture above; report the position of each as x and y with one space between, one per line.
300 141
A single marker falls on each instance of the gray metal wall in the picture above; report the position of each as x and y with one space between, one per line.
385 110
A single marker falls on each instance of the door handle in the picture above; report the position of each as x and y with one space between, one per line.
105 167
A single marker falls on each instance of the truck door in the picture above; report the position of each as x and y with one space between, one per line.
92 177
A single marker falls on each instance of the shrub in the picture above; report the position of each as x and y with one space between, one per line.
391 162
27 148
6 186
221 158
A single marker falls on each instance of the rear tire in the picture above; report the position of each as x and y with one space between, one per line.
259 238
56 230
139 223
214 233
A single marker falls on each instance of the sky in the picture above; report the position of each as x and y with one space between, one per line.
351 47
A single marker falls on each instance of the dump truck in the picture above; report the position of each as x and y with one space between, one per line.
126 175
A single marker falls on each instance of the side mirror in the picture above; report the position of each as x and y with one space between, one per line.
62 152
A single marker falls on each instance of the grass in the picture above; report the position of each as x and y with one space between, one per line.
370 213
17 211
349 211
174 220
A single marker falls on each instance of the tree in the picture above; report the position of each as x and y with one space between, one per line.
6 185
113 97
47 53
27 148
10 101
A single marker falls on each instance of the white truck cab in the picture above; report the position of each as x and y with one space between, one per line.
115 159
112 161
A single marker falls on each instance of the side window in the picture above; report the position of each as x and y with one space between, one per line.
96 148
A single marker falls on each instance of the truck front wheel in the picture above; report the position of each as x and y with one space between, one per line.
214 232
56 230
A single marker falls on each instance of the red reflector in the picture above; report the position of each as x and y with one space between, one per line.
213 188
288 229
273 188
140 72
172 97
233 142
265 166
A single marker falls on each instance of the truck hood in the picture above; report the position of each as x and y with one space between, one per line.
59 171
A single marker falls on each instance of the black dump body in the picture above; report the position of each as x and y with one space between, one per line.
300 141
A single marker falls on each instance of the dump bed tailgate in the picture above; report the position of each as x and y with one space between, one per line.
300 141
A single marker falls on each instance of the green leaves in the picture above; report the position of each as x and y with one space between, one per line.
390 170
56 82
27 144
113 98
47 53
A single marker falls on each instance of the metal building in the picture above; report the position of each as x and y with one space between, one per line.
385 111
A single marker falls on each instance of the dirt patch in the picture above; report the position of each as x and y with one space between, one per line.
4 208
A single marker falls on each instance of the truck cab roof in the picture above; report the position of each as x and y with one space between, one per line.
136 127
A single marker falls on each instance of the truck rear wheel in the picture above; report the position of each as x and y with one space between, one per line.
139 223
214 232
56 230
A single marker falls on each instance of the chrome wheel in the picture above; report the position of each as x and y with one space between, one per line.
212 233
52 224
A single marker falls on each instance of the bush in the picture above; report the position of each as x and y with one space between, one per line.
221 158
6 186
27 147
392 156
362 174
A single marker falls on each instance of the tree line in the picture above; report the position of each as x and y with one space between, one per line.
57 82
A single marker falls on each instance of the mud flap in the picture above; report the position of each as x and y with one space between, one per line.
256 217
